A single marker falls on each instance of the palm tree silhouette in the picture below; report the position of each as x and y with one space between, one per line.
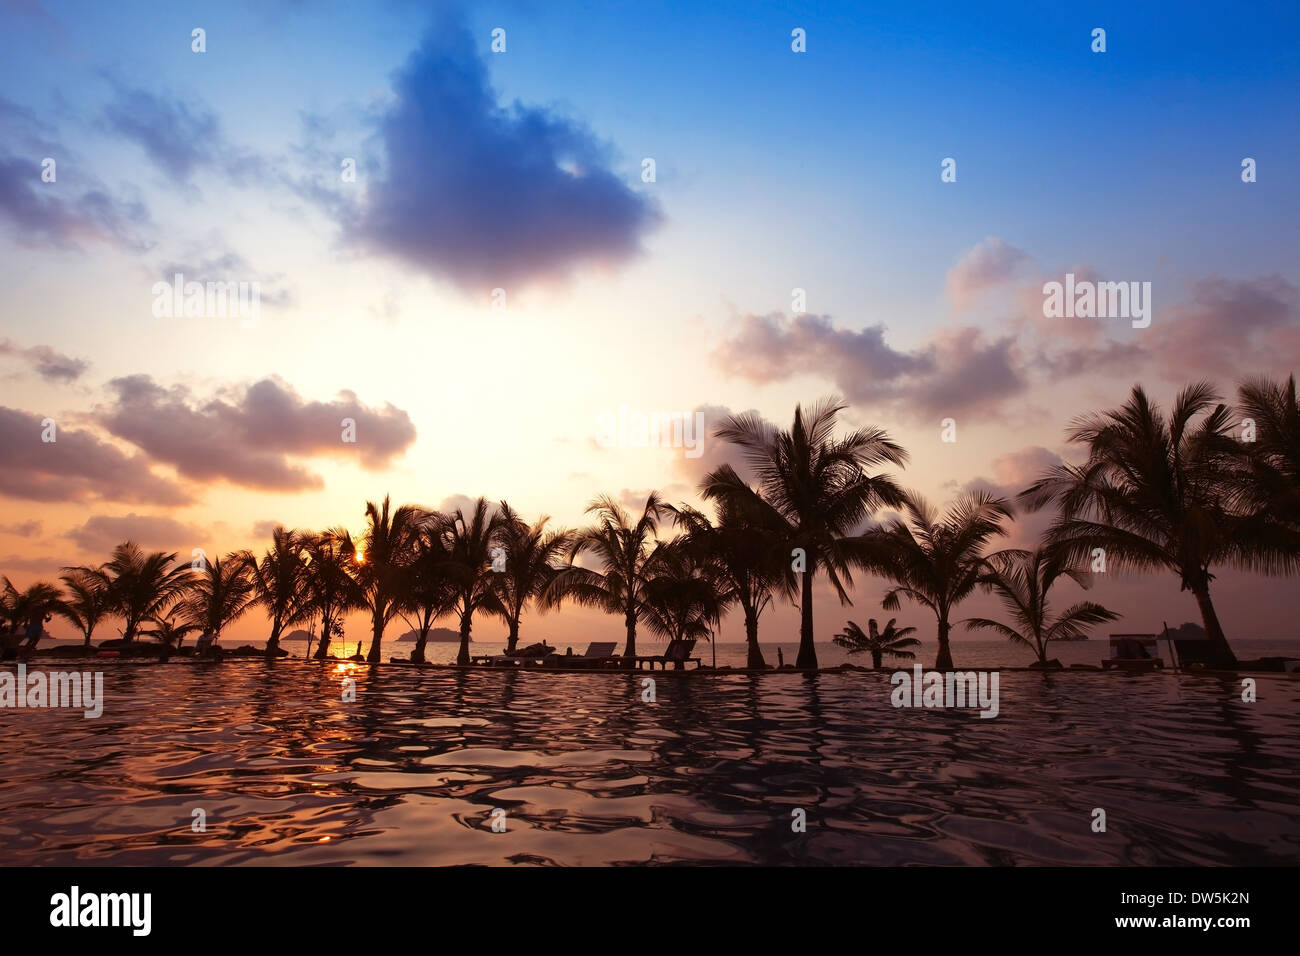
627 553
87 601
388 547
1022 580
169 629
934 560
220 594
331 589
1158 492
469 542
682 600
279 583
531 555
750 563
1272 479
812 485
893 641
429 584
140 585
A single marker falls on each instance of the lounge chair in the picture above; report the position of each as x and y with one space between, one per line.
678 653
1133 652
598 654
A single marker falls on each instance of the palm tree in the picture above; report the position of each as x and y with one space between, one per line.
749 562
220 594
429 586
814 486
893 641
169 629
627 553
682 598
87 602
1022 579
279 583
1273 458
31 607
1158 492
331 591
469 542
388 547
140 585
531 554
934 560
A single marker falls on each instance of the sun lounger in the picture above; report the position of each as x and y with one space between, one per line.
598 654
1133 652
678 653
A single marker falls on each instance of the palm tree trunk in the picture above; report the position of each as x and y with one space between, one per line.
513 639
876 659
807 652
462 657
418 656
1219 653
376 637
629 647
273 642
755 656
944 661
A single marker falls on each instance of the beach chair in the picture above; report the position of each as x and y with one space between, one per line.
1133 652
598 654
678 653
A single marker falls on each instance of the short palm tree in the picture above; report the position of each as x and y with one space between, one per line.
1021 580
682 599
469 541
331 590
815 486
750 562
1158 493
388 547
279 584
86 602
428 585
532 556
626 551
935 560
171 627
893 641
29 608
219 594
140 585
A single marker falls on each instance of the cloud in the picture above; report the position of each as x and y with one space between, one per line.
989 263
484 195
179 138
247 435
714 451
104 532
1229 327
61 214
960 371
23 529
76 466
264 529
50 365
1012 474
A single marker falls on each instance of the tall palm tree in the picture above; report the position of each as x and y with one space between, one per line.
935 560
1022 580
429 586
220 594
140 585
279 583
1157 492
893 641
1273 459
532 555
331 589
682 598
750 563
813 485
87 601
626 550
388 547
469 541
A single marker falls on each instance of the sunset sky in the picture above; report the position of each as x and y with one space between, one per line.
522 171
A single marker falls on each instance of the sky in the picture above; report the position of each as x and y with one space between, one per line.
501 271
